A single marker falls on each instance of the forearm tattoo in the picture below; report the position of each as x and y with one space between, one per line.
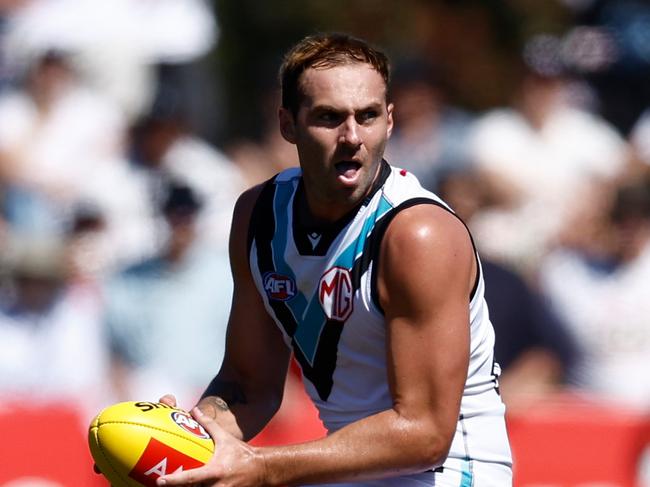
220 403
227 393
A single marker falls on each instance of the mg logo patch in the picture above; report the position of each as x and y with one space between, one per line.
189 424
279 287
335 293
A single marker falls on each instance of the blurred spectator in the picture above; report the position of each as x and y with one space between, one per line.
5 70
609 44
261 158
533 346
430 136
117 44
163 147
51 340
56 136
640 139
601 290
536 159
92 253
166 316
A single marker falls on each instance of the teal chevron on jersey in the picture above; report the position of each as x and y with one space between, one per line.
308 331
347 257
283 196
337 330
466 474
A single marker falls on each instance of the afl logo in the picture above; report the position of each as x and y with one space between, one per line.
279 287
335 293
189 424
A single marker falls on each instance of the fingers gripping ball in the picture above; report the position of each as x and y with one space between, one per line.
134 443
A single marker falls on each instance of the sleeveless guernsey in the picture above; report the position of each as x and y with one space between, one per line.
320 288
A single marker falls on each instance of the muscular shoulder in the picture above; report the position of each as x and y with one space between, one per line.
429 229
246 203
426 246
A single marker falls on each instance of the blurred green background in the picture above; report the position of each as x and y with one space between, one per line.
475 42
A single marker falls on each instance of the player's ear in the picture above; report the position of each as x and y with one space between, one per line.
389 127
287 125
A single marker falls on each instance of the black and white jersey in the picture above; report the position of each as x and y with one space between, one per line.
319 286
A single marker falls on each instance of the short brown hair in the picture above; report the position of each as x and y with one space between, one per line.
326 51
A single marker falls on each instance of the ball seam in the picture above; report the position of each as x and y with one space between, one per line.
108 460
191 440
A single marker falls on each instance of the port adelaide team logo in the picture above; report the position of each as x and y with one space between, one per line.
279 287
335 293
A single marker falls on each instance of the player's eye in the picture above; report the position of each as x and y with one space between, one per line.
367 116
328 117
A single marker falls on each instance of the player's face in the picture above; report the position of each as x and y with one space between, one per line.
340 131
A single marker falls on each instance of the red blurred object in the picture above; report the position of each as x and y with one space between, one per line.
566 441
297 420
45 443
577 441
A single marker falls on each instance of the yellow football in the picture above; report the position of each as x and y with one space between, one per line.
134 443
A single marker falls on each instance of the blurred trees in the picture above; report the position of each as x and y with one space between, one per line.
475 42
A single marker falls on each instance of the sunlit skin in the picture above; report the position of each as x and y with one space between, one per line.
340 131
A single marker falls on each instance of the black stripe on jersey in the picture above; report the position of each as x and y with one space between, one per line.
328 233
257 220
362 262
322 372
261 231
384 172
373 245
327 351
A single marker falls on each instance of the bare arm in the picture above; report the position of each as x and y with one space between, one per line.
424 309
248 389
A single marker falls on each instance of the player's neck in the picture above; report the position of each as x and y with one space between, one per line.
312 213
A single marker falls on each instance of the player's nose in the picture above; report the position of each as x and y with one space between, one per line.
349 134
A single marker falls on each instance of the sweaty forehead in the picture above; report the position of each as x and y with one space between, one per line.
343 85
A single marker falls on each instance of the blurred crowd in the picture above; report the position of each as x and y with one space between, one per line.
558 201
115 210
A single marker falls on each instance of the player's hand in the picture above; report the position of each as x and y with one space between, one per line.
214 407
98 471
168 399
233 463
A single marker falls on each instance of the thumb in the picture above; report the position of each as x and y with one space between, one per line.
211 426
168 399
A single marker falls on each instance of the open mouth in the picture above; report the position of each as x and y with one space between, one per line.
347 169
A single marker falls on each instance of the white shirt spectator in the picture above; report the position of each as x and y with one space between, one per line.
608 313
545 169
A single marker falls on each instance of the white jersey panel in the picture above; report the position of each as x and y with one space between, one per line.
324 301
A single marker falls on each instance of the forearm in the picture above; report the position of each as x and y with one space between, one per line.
242 413
385 444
